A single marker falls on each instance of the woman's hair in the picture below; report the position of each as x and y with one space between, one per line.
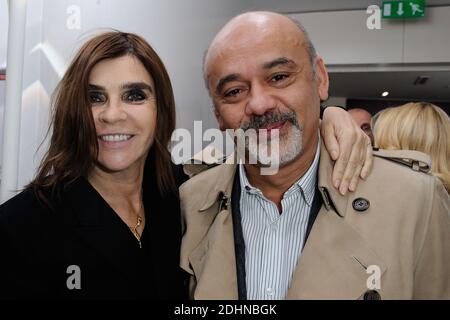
417 126
73 147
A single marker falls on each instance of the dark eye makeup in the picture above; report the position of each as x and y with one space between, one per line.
134 96
96 97
131 94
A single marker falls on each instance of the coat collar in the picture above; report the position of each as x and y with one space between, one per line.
331 196
221 186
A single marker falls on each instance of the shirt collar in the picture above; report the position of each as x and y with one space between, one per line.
306 184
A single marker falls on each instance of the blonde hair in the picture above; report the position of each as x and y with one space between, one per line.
417 126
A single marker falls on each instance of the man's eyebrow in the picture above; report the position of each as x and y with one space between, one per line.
280 61
223 81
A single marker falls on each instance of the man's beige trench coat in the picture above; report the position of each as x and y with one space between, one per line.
403 236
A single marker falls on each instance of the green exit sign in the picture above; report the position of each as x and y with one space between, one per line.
403 9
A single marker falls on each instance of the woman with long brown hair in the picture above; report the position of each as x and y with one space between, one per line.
101 219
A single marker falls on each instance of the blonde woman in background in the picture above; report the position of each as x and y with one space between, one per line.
417 126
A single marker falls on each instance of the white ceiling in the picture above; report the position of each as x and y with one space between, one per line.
293 6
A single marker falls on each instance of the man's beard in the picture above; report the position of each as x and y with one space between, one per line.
290 144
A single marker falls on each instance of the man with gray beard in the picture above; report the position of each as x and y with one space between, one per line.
272 149
292 235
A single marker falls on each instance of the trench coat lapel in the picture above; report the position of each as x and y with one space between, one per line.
213 260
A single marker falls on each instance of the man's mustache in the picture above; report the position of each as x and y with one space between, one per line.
263 121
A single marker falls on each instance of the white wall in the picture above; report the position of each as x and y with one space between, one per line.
3 31
428 40
2 108
3 41
33 96
342 37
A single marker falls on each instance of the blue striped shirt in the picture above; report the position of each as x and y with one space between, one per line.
273 241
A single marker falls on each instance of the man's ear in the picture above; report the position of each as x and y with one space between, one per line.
322 79
219 119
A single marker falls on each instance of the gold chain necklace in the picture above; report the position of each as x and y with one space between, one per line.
134 229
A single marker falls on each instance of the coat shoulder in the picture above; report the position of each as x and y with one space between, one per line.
207 179
23 217
23 206
401 173
400 193
201 192
415 160
207 158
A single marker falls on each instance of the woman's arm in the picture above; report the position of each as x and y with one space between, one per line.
349 146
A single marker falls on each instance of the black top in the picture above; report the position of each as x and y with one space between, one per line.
39 244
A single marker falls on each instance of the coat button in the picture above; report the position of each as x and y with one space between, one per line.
361 204
372 295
